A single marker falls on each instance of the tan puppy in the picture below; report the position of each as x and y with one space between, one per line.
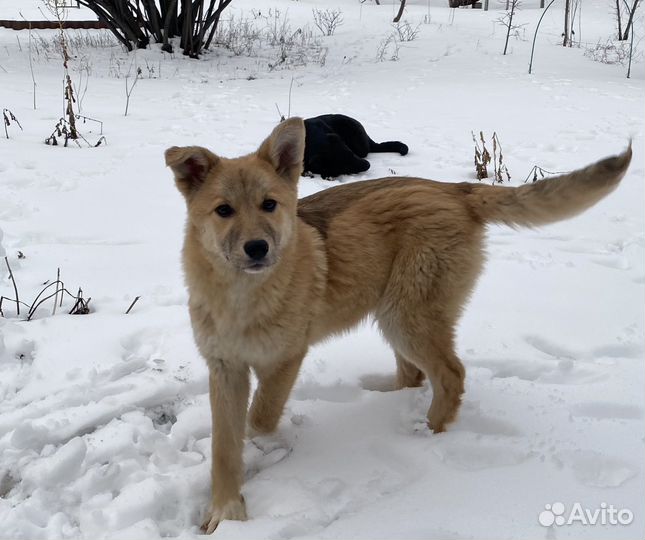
269 275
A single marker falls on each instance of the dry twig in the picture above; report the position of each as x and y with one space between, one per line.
15 287
8 117
132 304
482 157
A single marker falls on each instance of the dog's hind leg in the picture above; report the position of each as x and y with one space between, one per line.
418 313
339 159
389 146
446 374
274 386
407 374
429 352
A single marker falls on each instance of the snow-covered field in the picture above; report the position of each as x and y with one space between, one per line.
104 418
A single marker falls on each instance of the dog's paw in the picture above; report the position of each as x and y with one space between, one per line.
235 510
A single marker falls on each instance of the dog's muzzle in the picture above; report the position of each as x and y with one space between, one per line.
256 250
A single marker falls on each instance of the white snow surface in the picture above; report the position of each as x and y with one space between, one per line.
104 418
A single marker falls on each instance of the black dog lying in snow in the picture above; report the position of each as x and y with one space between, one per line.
336 144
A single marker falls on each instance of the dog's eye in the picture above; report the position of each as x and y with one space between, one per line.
224 210
268 205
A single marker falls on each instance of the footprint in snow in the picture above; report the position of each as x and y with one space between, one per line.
613 261
16 368
549 348
565 371
601 410
338 393
61 467
27 165
142 344
597 470
619 350
476 422
163 416
378 382
7 483
263 451
479 456
551 238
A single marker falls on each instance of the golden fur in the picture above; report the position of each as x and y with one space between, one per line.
406 251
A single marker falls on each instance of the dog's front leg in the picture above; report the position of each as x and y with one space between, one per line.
229 395
274 386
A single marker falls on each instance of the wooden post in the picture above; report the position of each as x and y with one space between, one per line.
566 42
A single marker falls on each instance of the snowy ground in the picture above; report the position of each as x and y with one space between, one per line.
104 418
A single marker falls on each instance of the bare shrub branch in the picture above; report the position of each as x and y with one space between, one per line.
15 287
7 118
80 306
327 20
405 31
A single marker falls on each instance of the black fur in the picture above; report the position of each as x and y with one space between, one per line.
336 144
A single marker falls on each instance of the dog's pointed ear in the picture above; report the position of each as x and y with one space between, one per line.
284 149
190 165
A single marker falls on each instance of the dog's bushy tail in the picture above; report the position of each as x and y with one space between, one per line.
389 146
549 200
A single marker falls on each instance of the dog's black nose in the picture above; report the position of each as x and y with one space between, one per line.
256 249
